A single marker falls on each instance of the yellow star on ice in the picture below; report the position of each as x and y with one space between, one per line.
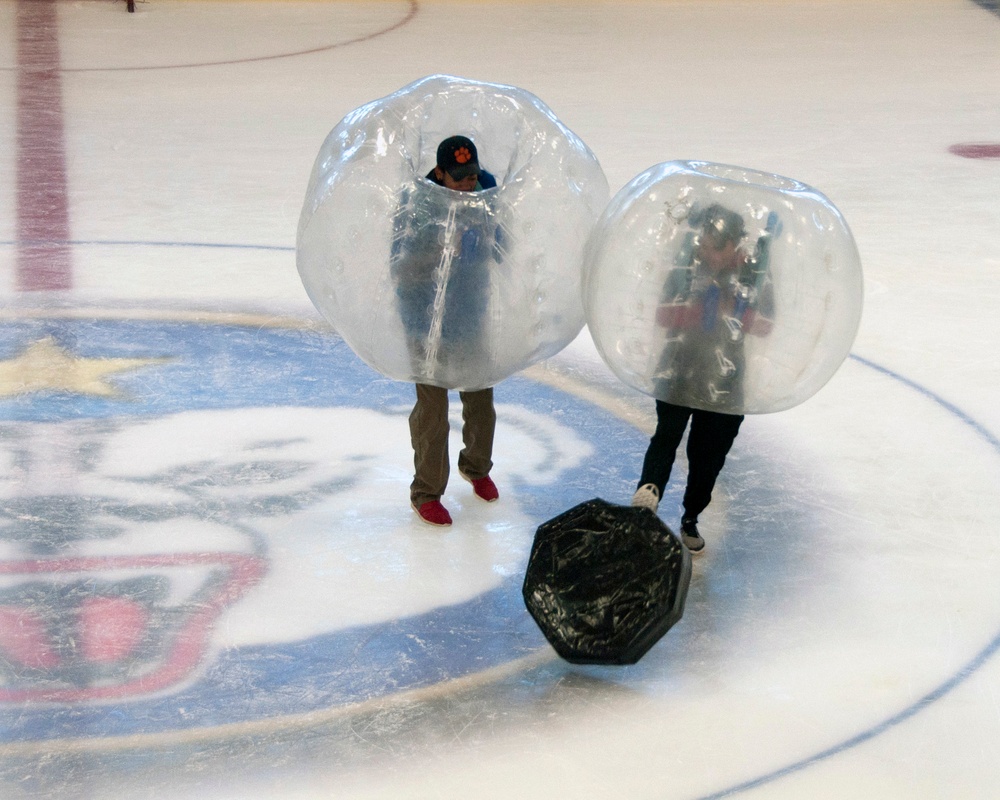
44 366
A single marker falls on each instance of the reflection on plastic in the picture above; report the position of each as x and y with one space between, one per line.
430 285
722 288
604 582
443 252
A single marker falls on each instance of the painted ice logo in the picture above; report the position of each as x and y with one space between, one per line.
80 628
214 517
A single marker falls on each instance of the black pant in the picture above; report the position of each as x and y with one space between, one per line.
711 437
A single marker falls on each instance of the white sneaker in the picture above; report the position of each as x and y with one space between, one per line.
647 496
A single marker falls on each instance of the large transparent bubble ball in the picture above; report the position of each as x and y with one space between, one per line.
722 288
430 285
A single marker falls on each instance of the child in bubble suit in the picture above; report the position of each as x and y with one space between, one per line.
417 253
717 294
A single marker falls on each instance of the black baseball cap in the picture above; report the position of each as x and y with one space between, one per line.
458 157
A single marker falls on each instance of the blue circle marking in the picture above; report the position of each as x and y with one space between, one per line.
935 694
284 366
196 367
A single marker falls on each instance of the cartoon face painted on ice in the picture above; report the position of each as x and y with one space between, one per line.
139 549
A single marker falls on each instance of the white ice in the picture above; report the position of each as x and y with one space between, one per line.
864 666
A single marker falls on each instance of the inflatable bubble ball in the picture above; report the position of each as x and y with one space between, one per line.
722 288
604 582
431 284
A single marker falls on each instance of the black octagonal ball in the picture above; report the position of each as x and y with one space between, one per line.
604 582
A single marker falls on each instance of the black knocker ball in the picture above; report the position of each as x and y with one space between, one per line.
605 582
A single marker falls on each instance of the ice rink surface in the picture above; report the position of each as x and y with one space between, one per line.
211 582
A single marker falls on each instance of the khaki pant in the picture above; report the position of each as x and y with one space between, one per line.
429 436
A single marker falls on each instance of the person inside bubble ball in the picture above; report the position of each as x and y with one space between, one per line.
416 260
716 294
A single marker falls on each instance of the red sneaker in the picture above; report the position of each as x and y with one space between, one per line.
484 488
433 513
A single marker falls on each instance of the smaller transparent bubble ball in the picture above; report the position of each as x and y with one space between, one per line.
458 289
722 288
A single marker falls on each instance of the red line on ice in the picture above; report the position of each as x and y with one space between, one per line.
976 149
43 254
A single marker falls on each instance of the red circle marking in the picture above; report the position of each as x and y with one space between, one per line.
976 149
